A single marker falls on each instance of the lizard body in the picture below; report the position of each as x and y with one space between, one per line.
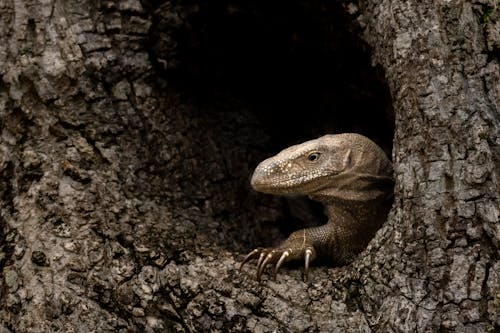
350 175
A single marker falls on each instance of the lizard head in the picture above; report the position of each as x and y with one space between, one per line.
333 166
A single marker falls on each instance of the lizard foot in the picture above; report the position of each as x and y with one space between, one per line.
267 256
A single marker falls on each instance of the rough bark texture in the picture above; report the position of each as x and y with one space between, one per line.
442 67
125 202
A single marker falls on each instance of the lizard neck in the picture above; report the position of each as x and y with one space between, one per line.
338 207
350 214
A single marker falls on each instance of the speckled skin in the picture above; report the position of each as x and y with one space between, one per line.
350 175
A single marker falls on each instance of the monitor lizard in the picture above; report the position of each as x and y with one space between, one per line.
350 175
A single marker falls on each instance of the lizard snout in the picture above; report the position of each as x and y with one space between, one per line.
262 178
257 180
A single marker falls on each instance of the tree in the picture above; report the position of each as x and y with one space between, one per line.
129 131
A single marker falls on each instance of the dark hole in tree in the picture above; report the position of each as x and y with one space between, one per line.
298 66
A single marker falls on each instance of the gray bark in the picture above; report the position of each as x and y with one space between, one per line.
125 205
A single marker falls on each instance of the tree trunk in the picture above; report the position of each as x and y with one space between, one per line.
129 131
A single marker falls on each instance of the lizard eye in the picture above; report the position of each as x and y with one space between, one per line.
313 156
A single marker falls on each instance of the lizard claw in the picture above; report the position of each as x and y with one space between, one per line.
280 262
254 254
307 260
279 256
262 263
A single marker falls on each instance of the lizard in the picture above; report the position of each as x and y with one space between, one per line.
350 175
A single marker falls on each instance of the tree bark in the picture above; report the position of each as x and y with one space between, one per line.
441 63
125 203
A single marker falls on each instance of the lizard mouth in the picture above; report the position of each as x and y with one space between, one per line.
284 185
